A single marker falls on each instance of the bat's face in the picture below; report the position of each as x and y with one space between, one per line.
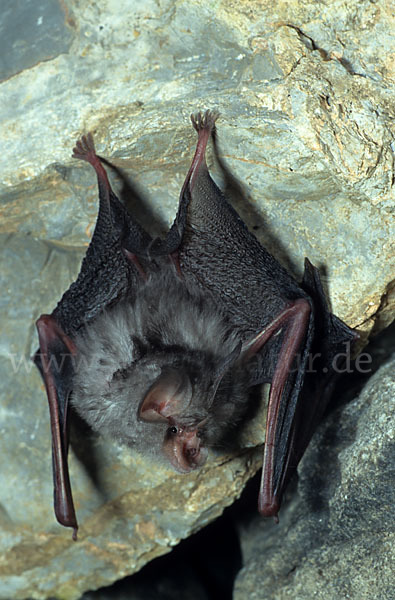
179 399
184 449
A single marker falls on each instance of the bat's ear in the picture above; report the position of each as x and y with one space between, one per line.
169 395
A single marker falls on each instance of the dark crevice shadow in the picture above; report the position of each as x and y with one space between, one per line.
349 385
202 567
83 444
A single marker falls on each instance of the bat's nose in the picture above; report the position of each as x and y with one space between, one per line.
185 450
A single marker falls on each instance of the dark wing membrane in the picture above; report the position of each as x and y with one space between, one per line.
275 316
332 342
54 360
107 272
112 268
216 249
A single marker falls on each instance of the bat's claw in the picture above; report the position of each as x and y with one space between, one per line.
85 148
205 120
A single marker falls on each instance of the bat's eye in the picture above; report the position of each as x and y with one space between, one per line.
199 433
173 430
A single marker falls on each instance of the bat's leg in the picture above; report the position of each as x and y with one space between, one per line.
205 126
294 322
53 361
112 213
85 150
294 335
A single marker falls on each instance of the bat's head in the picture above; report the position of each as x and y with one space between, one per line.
184 399
168 401
163 380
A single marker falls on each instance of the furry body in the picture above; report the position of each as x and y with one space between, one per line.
169 323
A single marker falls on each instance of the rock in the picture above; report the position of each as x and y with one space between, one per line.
336 537
30 33
304 150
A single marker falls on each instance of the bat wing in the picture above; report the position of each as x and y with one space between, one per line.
276 318
330 346
54 360
215 249
116 259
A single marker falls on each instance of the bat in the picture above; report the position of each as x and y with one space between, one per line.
159 342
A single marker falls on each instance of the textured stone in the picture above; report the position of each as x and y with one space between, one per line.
336 538
305 150
31 32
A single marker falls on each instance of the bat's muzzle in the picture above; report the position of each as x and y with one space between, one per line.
184 449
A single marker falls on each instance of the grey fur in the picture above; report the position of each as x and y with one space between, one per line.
169 323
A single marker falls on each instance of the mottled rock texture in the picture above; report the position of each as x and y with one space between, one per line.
337 538
305 150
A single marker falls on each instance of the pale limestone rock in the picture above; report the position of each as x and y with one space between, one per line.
305 146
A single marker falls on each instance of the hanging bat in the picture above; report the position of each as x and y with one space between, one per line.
159 342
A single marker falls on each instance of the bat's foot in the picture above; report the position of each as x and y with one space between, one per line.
204 123
205 120
85 150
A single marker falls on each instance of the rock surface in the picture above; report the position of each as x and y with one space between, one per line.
337 538
305 150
